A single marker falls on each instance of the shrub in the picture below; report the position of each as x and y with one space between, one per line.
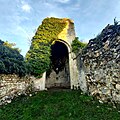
77 45
11 61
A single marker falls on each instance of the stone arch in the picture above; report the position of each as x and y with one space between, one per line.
60 74
65 43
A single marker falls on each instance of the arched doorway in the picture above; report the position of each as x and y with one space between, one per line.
60 74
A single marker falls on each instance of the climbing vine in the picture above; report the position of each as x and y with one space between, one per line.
38 56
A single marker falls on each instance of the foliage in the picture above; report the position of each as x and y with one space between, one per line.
11 61
11 45
54 105
77 45
38 57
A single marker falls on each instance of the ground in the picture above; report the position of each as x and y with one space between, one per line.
58 105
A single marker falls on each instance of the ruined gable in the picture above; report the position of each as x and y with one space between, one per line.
99 65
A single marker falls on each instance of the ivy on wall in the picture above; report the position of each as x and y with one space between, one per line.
38 56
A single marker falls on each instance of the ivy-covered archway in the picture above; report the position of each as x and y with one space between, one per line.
60 74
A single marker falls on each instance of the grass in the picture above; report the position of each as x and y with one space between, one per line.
54 105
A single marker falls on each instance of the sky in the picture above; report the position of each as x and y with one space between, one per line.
19 19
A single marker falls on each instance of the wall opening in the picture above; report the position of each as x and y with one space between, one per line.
60 75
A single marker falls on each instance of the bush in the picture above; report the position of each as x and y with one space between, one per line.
77 45
11 61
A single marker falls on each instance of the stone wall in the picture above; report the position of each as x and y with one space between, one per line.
74 72
58 80
12 86
99 65
66 36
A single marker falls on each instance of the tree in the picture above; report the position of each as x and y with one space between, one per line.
11 45
2 67
11 61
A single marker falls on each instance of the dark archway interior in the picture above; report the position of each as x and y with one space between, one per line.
59 56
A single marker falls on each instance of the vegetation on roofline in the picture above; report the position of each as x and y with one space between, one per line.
38 57
11 61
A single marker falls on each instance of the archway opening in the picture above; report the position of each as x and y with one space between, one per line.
59 56
59 77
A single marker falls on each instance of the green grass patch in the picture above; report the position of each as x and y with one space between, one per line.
54 105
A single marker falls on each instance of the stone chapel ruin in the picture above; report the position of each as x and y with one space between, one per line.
95 70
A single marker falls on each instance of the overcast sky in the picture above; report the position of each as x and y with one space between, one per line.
20 18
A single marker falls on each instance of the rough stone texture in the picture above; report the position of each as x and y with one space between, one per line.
81 75
39 84
58 80
100 63
12 86
74 73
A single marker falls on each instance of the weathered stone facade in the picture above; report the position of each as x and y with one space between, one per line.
64 78
12 86
99 65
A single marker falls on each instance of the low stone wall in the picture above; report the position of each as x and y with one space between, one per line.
13 85
99 65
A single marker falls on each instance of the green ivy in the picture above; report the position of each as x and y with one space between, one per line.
38 56
77 45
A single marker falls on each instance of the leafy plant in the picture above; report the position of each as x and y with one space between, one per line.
11 61
77 45
38 57
11 45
